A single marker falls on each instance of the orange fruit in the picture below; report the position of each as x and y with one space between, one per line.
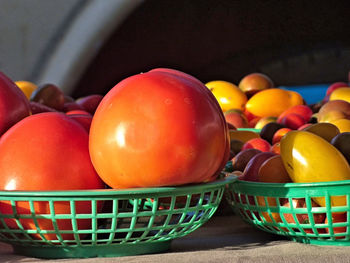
272 102
342 93
227 94
27 87
342 124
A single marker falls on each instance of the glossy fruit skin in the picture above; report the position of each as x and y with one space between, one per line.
251 171
310 158
279 99
49 95
273 171
335 86
227 94
43 152
333 106
243 135
302 110
340 94
261 122
158 128
279 134
238 120
71 105
211 96
14 106
255 82
341 142
257 143
342 124
27 87
293 121
323 129
83 119
90 102
240 161
37 107
267 132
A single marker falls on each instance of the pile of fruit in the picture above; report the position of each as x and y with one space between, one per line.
275 137
159 128
166 128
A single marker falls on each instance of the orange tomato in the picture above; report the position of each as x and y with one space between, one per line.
158 128
272 102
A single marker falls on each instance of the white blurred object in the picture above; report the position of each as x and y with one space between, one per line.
49 41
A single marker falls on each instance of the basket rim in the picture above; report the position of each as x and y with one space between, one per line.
291 185
129 192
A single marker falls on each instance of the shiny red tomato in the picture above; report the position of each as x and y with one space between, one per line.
158 128
47 151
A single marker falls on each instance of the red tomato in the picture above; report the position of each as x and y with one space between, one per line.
158 128
47 151
304 218
214 101
337 218
14 105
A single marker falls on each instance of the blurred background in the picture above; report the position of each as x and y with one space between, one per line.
88 46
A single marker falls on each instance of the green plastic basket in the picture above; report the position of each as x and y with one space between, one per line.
290 209
118 223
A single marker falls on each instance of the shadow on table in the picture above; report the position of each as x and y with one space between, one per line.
226 233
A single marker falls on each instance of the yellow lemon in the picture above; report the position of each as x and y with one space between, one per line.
27 87
227 94
341 94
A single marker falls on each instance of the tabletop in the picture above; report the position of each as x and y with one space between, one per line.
224 238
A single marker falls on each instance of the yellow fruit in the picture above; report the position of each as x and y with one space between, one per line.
340 94
27 87
323 129
227 94
309 158
243 135
342 124
263 121
272 102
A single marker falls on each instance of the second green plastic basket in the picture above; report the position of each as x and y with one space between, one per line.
292 209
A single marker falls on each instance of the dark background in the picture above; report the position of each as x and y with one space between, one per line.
294 42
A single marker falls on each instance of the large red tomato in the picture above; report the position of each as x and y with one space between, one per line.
158 128
47 151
